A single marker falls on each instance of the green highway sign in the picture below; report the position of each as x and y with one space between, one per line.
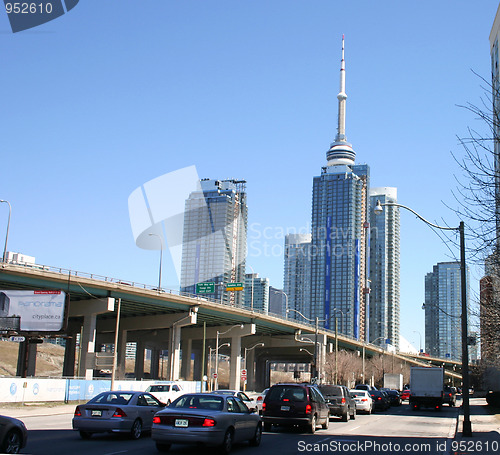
234 287
205 288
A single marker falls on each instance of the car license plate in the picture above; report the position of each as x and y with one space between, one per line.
181 423
96 413
285 408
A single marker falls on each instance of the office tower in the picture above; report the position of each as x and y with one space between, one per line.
443 309
297 277
384 269
277 301
256 292
339 225
214 238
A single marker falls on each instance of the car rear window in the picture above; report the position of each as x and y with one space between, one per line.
331 390
199 402
286 393
112 398
361 393
158 388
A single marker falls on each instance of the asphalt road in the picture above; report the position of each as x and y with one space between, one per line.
398 430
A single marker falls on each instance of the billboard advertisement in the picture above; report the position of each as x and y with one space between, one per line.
40 311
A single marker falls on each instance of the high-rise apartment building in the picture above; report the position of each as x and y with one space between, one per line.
297 277
443 309
339 231
215 238
384 318
277 301
256 292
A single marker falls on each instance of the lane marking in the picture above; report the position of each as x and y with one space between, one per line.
355 428
114 453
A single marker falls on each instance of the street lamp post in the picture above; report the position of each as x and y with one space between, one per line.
467 427
245 362
337 340
217 353
4 257
161 257
316 332
420 341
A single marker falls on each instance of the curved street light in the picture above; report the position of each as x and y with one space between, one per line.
217 353
466 427
245 362
4 257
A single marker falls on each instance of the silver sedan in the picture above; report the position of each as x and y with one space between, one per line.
117 411
210 419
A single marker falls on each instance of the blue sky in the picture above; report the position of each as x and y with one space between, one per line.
116 93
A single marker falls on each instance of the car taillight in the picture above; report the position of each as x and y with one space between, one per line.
308 409
364 399
343 401
156 419
449 394
78 413
263 407
208 423
379 398
259 398
119 413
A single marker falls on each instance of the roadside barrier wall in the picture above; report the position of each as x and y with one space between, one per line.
25 390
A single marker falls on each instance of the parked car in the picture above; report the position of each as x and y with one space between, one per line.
206 418
339 401
13 435
117 411
450 395
363 400
405 395
260 400
166 392
250 402
394 397
380 400
300 405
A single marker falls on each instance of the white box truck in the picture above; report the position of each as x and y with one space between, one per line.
426 387
393 381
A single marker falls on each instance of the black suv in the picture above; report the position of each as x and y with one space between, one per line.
295 405
339 401
450 395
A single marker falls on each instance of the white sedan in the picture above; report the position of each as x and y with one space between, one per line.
363 400
250 402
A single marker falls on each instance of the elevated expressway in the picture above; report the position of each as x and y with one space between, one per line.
185 326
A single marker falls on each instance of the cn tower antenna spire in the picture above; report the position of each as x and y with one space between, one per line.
341 151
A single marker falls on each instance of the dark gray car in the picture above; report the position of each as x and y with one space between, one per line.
117 411
13 435
339 401
206 419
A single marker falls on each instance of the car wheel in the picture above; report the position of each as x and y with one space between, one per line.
312 425
255 441
12 442
136 431
345 416
227 443
327 423
353 416
85 434
267 427
161 447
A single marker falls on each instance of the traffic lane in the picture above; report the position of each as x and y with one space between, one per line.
401 420
48 422
64 442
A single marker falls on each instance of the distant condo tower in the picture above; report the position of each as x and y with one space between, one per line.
214 239
339 234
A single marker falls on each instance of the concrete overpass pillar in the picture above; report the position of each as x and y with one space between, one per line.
122 349
154 371
174 350
250 367
187 349
235 365
87 346
139 360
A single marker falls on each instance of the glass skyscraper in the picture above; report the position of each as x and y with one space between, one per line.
297 277
384 263
214 238
443 309
256 292
339 234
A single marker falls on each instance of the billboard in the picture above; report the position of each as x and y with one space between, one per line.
40 311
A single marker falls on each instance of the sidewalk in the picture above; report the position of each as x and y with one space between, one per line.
485 422
21 411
